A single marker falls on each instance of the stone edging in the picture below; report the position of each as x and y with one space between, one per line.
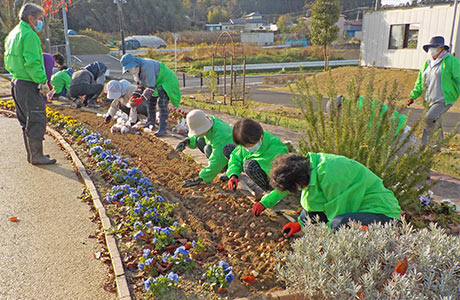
117 263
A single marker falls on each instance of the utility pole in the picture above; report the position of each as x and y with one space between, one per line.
47 35
121 20
377 4
66 35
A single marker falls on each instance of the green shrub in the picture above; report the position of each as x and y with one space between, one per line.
358 264
373 144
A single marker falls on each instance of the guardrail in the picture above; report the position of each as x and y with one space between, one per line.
291 65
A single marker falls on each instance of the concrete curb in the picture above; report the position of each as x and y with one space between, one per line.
117 263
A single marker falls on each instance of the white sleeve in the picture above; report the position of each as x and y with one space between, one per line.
113 107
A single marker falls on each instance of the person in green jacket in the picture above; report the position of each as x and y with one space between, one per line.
24 60
255 151
156 82
440 77
335 189
61 83
211 135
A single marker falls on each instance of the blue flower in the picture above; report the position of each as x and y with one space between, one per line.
228 270
165 258
154 241
229 277
147 283
140 266
136 224
223 264
160 199
173 277
181 250
166 231
137 211
193 244
138 235
424 200
176 224
149 224
146 253
149 261
156 228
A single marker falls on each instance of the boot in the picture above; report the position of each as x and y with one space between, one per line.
26 143
36 153
163 128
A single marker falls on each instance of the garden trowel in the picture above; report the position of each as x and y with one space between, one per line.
172 155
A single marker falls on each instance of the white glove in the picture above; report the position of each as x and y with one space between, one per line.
44 88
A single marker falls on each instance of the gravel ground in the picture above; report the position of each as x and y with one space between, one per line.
47 254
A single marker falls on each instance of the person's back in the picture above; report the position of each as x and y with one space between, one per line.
61 82
82 77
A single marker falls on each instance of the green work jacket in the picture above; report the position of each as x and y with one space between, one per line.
23 54
217 137
450 79
168 81
61 80
339 185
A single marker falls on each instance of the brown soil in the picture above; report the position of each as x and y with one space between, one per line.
221 218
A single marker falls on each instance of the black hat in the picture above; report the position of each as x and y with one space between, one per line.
435 42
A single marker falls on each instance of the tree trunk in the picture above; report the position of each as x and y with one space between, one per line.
326 61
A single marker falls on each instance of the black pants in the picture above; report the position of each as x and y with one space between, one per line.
141 109
163 101
30 108
90 91
252 169
204 148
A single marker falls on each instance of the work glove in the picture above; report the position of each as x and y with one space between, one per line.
290 228
233 183
135 101
257 209
44 88
181 146
192 182
107 119
410 101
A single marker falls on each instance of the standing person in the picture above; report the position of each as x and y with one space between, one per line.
24 60
85 83
335 189
121 92
254 154
157 83
441 76
210 134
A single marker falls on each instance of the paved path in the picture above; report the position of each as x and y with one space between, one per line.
47 254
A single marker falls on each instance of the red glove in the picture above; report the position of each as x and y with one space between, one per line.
232 183
258 208
290 228
135 101
410 101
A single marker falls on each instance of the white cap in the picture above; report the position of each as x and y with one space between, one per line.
198 123
114 89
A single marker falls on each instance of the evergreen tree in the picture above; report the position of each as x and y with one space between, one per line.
324 16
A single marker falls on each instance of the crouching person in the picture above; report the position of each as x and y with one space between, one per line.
61 83
254 154
157 83
210 135
121 92
88 82
335 189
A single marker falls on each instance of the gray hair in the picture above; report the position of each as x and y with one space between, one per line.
30 9
338 102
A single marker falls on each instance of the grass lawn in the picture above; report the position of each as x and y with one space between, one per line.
343 76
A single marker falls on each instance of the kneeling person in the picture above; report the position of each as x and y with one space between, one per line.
121 92
334 188
210 134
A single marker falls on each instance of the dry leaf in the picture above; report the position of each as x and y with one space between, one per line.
401 267
14 219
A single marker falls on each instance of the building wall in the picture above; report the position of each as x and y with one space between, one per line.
259 38
433 21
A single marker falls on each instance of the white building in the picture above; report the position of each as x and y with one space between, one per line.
394 38
261 38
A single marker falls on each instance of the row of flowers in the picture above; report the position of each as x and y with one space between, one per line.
166 253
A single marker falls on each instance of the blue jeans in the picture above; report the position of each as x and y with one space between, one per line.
365 218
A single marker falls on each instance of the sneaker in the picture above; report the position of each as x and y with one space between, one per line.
76 103
62 98
223 178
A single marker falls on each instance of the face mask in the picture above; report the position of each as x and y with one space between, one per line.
433 51
39 26
254 148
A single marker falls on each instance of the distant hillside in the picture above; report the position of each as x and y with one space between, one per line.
82 44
